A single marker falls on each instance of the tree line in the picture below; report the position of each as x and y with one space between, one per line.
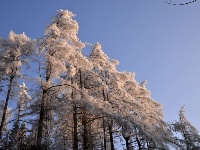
79 102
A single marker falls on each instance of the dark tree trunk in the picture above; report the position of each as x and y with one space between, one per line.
75 144
104 95
84 119
18 115
41 120
6 105
127 142
90 138
80 76
75 122
138 143
147 144
111 136
85 134
104 134
42 109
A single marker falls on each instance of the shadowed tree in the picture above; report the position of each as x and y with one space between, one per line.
190 137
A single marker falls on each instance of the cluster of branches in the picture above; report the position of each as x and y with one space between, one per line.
77 102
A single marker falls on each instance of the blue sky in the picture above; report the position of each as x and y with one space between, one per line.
157 41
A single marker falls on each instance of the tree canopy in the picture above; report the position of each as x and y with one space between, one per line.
73 101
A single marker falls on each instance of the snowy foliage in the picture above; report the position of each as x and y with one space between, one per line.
190 137
24 97
17 45
78 102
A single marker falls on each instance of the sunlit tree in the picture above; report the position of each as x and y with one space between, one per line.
13 54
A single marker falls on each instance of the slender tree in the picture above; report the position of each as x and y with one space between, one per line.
58 46
13 50
190 137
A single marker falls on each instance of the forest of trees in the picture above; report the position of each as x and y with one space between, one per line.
73 101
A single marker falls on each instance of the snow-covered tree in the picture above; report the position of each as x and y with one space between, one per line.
13 54
60 46
190 137
22 102
17 139
79 102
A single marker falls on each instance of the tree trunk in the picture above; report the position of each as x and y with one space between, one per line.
111 136
90 138
75 144
148 148
84 120
18 115
85 134
41 119
183 128
127 142
104 134
80 78
42 108
6 105
104 95
138 142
